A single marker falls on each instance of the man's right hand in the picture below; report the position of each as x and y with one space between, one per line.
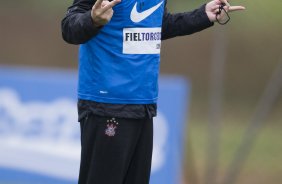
102 12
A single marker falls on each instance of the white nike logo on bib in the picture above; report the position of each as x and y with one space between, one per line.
136 17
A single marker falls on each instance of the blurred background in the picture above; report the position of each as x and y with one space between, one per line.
250 51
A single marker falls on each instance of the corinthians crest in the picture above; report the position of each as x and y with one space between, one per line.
111 127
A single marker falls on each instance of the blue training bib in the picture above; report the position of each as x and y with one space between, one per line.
120 65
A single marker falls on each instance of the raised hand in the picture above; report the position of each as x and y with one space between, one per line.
102 11
212 9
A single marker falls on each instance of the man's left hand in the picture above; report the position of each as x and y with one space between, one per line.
212 9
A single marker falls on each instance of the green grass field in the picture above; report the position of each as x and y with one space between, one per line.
263 164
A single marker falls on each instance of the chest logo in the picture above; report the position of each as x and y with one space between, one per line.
136 16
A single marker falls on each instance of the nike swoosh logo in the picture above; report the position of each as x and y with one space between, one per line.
136 16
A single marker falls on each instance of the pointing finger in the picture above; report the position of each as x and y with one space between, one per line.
235 8
110 5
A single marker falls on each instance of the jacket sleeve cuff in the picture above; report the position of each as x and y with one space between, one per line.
88 23
204 21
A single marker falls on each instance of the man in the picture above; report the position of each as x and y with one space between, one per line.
118 71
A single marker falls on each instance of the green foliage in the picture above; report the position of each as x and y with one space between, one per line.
257 12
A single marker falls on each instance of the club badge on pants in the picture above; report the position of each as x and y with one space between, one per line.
111 127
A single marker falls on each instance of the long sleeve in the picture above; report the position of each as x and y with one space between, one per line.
181 24
77 26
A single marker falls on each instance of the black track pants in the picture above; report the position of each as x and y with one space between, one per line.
115 150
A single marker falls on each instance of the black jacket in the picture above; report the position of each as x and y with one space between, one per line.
78 28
